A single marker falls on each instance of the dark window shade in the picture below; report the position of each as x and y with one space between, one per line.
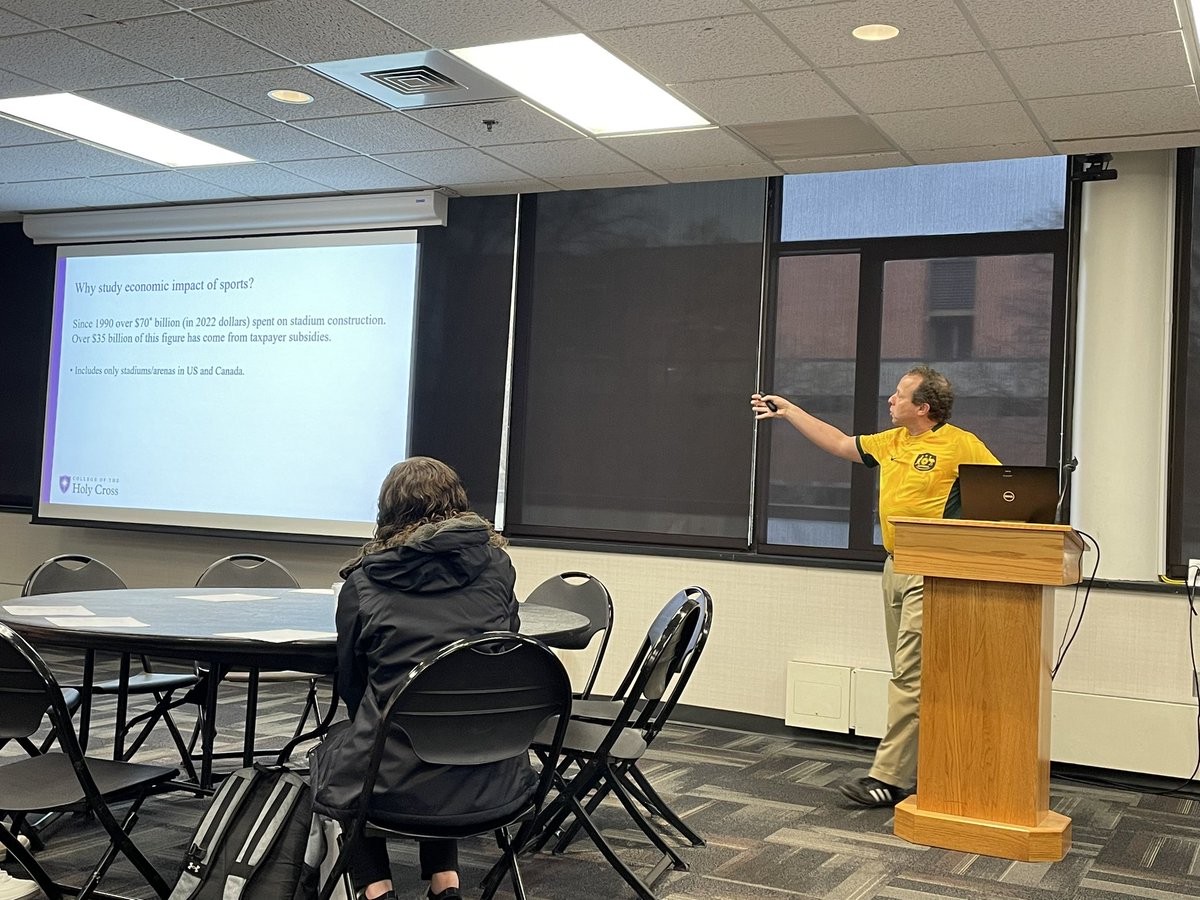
465 299
638 318
24 337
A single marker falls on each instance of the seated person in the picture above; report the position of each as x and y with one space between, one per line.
433 574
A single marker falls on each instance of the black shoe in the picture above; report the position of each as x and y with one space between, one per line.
872 792
450 893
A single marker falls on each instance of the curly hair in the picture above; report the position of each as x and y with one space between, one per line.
416 492
934 389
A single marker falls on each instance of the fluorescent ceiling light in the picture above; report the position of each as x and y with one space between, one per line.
576 78
112 130
875 32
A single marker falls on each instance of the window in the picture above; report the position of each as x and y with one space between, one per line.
852 311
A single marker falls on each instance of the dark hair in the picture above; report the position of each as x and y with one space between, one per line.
416 492
934 389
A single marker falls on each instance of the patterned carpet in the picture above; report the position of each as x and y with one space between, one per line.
775 827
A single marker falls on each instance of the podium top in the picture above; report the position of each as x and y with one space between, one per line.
977 550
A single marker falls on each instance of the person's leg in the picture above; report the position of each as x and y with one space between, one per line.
439 866
896 757
370 870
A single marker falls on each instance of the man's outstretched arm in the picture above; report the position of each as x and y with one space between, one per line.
827 437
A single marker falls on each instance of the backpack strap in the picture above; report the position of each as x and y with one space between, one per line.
277 811
223 810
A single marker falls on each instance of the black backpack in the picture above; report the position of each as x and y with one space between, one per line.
251 842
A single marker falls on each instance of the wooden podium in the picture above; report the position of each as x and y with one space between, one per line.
983 765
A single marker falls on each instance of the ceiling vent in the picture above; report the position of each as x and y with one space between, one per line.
411 80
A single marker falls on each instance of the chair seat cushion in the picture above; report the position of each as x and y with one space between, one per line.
462 825
147 683
48 782
597 710
584 738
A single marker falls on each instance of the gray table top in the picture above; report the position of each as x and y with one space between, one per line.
269 628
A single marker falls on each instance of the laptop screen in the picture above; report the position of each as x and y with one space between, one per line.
1008 493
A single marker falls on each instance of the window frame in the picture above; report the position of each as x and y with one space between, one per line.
1176 564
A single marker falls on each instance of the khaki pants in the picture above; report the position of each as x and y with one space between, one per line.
896 758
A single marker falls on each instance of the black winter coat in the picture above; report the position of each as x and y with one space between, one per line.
445 583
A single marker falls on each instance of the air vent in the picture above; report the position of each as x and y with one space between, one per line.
412 80
415 80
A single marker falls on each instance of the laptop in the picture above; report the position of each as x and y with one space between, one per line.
1008 493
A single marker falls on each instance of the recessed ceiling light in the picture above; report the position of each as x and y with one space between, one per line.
284 96
875 32
574 77
109 129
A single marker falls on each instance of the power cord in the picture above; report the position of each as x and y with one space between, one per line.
1065 643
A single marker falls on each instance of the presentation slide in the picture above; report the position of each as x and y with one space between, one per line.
258 384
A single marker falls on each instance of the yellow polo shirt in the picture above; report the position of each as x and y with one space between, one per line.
918 474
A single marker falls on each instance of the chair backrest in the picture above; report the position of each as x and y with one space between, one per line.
28 691
71 572
581 593
651 720
246 570
477 701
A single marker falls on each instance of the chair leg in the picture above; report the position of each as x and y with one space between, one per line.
659 806
639 887
16 850
118 834
646 828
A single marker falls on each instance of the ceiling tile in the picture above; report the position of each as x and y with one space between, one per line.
42 57
613 180
179 45
13 24
822 32
980 154
720 173
1156 111
67 194
1100 66
839 136
63 13
353 173
923 83
385 132
14 134
329 98
454 24
495 188
961 126
453 167
703 49
29 163
560 159
170 187
515 122
1018 23
174 104
684 149
79 158
842 163
595 14
1125 144
15 86
783 4
257 180
764 98
269 143
310 31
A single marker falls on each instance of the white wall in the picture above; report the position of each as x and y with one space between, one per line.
1132 646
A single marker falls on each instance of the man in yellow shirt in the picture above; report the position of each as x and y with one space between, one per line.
918 464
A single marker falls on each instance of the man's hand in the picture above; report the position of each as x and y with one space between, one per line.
758 404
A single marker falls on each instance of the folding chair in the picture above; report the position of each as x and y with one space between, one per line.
604 755
653 714
74 572
65 780
588 597
250 570
477 701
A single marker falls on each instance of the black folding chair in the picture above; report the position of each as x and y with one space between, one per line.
74 572
653 715
65 780
250 570
581 593
477 701
604 754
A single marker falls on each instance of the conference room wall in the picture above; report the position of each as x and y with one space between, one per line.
1125 692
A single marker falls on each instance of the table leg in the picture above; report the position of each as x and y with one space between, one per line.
251 717
85 703
208 733
122 708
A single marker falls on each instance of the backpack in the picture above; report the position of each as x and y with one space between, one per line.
251 842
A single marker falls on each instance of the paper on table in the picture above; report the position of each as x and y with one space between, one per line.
95 622
311 591
227 598
280 635
26 610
